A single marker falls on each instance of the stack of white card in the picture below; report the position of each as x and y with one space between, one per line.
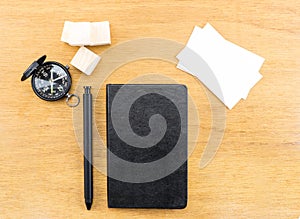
226 69
86 33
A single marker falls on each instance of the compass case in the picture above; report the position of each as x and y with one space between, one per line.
147 146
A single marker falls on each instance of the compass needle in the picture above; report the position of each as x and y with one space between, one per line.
61 77
51 82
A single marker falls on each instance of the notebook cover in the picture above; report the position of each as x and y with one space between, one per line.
129 183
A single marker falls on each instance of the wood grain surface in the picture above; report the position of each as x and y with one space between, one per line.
256 171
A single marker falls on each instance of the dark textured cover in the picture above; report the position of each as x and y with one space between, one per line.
169 191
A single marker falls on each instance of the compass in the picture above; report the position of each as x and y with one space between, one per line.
50 80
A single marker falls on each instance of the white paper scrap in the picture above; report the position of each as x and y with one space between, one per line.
85 60
86 33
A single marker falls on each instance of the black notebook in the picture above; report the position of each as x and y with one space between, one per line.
147 146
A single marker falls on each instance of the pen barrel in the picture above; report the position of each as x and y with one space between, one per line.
87 136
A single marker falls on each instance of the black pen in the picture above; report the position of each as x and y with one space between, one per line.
87 136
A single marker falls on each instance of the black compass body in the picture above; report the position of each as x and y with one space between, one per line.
50 80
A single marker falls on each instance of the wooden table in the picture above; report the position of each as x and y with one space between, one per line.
256 171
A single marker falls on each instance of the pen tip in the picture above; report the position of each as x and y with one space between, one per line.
88 205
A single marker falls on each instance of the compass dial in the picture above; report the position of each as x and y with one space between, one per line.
52 81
